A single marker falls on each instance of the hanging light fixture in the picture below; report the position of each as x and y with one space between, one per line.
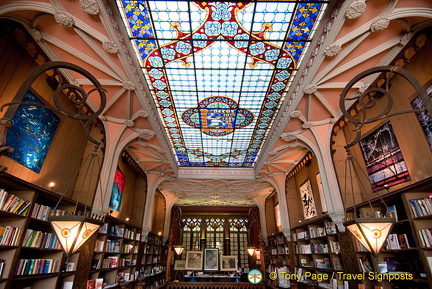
179 249
75 229
250 250
372 231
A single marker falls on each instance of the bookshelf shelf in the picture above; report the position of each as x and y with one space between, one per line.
30 240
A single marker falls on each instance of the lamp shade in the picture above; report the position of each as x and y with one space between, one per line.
251 251
178 249
73 231
371 232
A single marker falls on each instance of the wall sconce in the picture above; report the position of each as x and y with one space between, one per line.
73 230
372 232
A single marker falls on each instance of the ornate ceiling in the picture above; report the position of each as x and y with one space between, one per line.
211 118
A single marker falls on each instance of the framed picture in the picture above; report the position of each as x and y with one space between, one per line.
194 260
424 118
308 201
117 191
180 265
228 263
211 259
384 161
33 129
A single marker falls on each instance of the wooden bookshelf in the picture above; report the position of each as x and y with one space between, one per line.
29 250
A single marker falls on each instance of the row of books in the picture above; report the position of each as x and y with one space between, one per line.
323 263
39 239
304 249
9 235
320 248
421 207
112 246
110 262
116 230
99 245
398 241
42 212
334 246
149 249
129 234
426 237
13 204
316 232
365 264
148 260
129 248
37 266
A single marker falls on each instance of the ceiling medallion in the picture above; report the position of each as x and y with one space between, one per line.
217 116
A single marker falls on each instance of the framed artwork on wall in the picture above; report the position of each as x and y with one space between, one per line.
424 118
211 259
308 201
33 129
228 263
194 260
384 161
117 191
180 265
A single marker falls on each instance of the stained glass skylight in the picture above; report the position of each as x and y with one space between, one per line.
218 70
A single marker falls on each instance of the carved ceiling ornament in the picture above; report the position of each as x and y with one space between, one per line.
110 47
356 9
35 34
90 6
380 25
295 114
333 50
288 136
129 123
129 85
142 113
64 19
310 89
146 134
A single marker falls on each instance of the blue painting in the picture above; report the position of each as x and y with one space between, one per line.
32 131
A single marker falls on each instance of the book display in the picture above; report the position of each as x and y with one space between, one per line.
30 253
317 251
278 249
116 252
407 249
153 261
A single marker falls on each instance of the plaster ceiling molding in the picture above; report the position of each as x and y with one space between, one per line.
288 136
308 125
142 113
405 38
128 85
379 25
90 6
327 27
333 50
64 19
129 123
110 47
296 114
310 89
355 9
35 34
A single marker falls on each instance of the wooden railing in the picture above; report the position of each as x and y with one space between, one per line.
213 285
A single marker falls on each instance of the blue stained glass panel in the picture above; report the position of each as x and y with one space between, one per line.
196 53
32 131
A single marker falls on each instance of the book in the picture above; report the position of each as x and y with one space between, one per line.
70 266
337 262
98 283
68 285
95 264
392 212
91 284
